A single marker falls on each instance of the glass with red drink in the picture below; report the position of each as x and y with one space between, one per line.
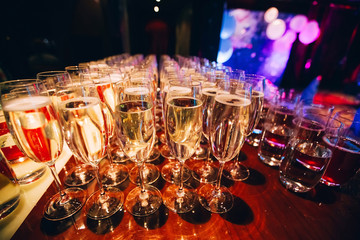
346 154
307 153
278 127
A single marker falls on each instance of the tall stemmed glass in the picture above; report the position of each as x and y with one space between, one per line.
136 132
32 120
85 126
81 174
183 133
113 174
205 171
235 170
170 172
229 121
141 89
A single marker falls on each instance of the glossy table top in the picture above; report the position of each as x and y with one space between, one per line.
263 209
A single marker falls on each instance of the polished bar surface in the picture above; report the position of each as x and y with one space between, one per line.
263 209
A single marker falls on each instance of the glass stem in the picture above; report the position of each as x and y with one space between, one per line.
140 166
208 159
181 175
218 180
57 180
97 176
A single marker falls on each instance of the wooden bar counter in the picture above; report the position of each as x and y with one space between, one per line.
263 209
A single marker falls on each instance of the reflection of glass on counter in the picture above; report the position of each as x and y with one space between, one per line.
26 171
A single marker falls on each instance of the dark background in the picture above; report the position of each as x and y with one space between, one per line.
39 35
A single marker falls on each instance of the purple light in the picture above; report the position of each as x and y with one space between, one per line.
298 23
308 64
310 33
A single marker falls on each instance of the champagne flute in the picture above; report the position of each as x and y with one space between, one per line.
235 170
85 125
140 89
170 172
206 172
183 133
136 132
113 174
32 120
81 174
228 128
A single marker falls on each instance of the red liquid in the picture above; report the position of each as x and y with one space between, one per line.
11 152
344 163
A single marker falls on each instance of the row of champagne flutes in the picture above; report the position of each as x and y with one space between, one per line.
85 117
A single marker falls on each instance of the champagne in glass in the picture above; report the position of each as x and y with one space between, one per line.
183 133
136 133
229 122
85 125
32 120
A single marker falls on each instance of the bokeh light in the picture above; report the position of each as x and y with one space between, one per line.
271 14
275 29
225 50
310 33
285 42
298 23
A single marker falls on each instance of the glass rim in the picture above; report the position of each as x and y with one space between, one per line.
51 73
197 100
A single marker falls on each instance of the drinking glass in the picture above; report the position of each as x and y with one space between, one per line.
345 161
112 174
26 171
229 121
235 170
85 126
140 89
81 174
136 132
269 92
32 120
308 152
278 127
183 133
206 171
170 172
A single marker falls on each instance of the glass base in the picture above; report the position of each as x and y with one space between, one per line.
236 171
170 172
101 206
205 172
79 175
57 208
293 186
270 161
119 157
179 201
155 154
150 171
165 152
142 204
113 174
220 201
200 153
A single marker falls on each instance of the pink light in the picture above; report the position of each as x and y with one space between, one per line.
275 29
298 23
308 64
310 33
285 42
